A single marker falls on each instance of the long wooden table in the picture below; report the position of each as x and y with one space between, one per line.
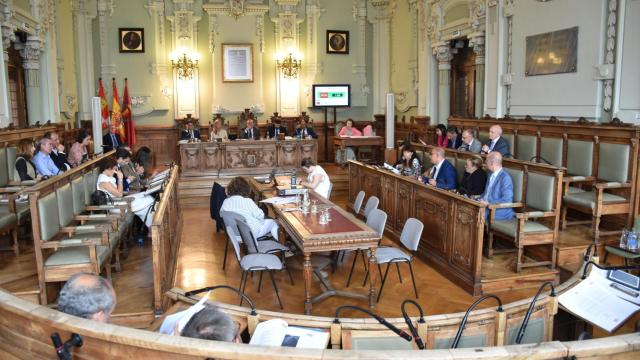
344 232
453 225
376 142
244 157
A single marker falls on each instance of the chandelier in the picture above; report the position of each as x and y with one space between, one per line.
289 66
185 66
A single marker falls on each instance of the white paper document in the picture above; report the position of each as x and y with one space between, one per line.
276 332
599 302
278 200
391 168
174 323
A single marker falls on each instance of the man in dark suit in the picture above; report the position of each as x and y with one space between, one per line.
251 131
111 140
442 175
58 155
499 187
303 131
277 128
496 142
454 138
189 132
469 142
123 158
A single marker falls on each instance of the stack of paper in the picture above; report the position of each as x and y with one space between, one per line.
279 200
277 332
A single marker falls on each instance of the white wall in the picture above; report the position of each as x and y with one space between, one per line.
627 93
5 110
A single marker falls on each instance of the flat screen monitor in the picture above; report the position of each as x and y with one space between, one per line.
331 95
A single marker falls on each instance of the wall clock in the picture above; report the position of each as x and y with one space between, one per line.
131 40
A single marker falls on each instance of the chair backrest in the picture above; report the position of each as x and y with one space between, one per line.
377 220
89 183
540 191
247 236
613 163
357 204
329 192
65 204
527 146
551 150
4 176
229 219
77 191
231 233
411 233
460 165
372 203
48 216
421 155
511 140
483 136
579 157
517 176
12 155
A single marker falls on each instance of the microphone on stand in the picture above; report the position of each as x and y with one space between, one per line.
525 321
456 340
407 319
625 267
381 320
212 288
62 350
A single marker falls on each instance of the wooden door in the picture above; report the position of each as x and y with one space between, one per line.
17 91
463 79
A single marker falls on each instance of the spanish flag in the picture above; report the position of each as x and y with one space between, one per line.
127 115
103 105
116 113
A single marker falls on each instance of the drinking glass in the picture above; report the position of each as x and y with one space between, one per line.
623 238
314 207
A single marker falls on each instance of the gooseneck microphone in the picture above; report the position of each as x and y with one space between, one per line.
407 319
213 288
625 267
62 350
456 340
381 320
525 321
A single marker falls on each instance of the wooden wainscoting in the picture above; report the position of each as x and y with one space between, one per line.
161 139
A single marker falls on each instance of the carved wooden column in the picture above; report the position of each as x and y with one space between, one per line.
476 41
380 16
442 51
83 38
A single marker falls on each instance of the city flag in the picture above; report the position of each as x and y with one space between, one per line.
116 115
103 105
127 115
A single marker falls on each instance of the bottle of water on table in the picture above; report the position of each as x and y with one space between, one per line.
293 181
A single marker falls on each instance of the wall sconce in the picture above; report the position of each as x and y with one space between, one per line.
289 66
184 64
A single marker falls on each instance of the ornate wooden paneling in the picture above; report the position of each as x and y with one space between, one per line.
388 200
211 157
288 155
308 148
354 183
371 183
239 155
431 209
161 140
464 246
404 204
190 158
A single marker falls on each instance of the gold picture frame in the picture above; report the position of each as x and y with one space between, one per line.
237 63
131 40
337 42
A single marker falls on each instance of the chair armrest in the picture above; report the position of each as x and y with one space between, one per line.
10 189
535 214
70 243
579 179
612 185
90 217
107 207
104 228
505 205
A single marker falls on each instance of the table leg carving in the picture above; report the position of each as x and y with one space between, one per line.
308 273
372 277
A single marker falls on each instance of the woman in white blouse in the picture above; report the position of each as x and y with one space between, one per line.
239 201
317 178
142 205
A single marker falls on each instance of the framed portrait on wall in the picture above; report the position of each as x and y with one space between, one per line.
237 63
131 40
337 42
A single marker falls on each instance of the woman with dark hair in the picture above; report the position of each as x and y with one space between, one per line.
317 178
78 153
25 170
409 164
348 130
239 201
441 136
474 178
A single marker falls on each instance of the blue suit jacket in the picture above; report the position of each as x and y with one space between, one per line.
447 176
501 192
309 132
501 146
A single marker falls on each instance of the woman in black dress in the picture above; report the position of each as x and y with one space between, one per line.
474 178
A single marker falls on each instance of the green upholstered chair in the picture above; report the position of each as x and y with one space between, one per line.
535 226
551 150
9 220
483 136
526 147
611 190
511 140
460 168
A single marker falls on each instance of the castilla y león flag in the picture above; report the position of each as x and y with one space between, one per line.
127 115
116 116
104 113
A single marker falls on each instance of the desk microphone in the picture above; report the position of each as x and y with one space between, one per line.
407 319
525 321
62 350
456 340
381 320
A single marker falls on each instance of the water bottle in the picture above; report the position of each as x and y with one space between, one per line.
632 241
623 239
293 181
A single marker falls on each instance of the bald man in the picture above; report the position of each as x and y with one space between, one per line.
499 188
442 175
496 142
88 296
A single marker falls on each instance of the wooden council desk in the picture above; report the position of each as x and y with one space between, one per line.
376 142
453 225
244 157
344 232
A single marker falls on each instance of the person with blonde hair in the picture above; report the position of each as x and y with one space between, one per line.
25 170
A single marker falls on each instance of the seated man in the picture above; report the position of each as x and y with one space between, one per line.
57 154
303 131
499 187
277 128
88 296
42 160
123 158
239 201
496 142
251 131
189 132
212 324
442 175
111 140
469 142
454 138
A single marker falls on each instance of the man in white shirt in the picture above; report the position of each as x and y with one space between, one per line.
240 202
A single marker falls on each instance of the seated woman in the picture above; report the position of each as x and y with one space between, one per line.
409 164
78 153
217 132
441 136
142 205
317 180
240 202
25 170
474 178
348 153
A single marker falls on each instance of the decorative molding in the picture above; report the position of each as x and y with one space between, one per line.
213 31
507 78
260 31
442 51
610 52
476 41
156 9
360 67
477 14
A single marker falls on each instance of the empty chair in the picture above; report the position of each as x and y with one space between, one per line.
254 261
377 220
372 203
357 204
